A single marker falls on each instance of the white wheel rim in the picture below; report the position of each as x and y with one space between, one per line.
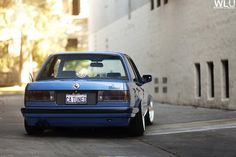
144 127
151 112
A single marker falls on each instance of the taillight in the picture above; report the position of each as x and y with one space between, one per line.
113 96
39 95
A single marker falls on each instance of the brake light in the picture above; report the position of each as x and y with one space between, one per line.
39 95
113 96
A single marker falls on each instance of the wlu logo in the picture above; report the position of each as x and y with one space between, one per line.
225 4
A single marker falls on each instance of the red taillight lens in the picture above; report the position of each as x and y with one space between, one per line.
39 96
113 96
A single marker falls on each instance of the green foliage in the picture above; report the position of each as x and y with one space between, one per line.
6 3
36 56
7 62
42 30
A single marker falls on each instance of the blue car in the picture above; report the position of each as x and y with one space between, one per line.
88 89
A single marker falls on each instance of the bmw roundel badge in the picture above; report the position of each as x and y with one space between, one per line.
76 85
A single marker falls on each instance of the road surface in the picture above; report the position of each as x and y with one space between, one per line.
178 131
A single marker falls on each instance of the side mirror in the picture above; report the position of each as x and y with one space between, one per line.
147 78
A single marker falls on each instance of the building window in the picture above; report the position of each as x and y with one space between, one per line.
156 80
158 3
211 86
75 7
152 4
225 78
72 44
156 89
130 9
198 79
165 1
164 90
164 80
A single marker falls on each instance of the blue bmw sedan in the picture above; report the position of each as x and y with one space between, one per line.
88 89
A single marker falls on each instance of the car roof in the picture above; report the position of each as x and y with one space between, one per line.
89 52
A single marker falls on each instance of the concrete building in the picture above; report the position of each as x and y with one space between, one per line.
77 24
189 46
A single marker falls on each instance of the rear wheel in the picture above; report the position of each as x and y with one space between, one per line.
32 130
137 125
149 118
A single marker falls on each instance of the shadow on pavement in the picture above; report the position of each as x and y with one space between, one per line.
85 133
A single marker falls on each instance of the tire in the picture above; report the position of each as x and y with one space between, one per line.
149 117
137 125
32 130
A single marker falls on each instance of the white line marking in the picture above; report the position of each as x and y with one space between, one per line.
193 127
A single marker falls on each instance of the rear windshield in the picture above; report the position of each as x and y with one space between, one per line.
83 67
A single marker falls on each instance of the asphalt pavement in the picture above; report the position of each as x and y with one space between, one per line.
178 131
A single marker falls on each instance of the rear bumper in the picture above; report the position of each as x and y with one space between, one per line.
100 117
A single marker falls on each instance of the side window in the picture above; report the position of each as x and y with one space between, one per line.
47 71
133 76
135 70
56 67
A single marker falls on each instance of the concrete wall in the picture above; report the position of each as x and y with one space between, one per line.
167 42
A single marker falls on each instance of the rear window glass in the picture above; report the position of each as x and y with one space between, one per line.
83 67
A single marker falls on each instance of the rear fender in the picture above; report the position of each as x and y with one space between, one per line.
149 107
141 107
149 100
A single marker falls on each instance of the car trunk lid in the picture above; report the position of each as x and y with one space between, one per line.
74 88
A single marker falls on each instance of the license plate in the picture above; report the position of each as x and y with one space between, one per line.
76 98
